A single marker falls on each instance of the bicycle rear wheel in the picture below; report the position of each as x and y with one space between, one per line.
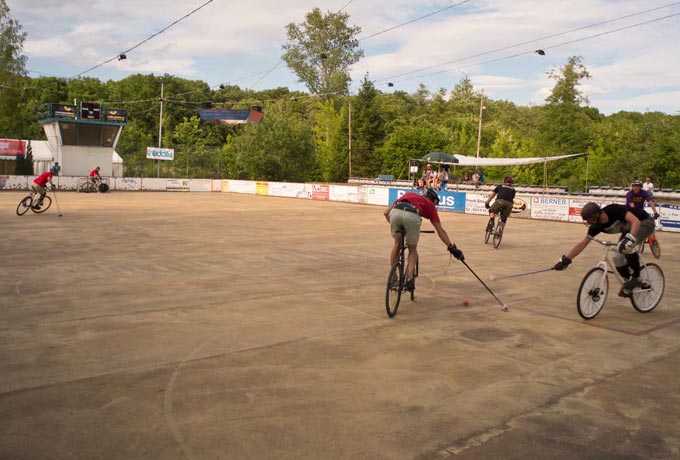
489 232
646 298
498 234
24 205
654 246
395 285
592 293
47 202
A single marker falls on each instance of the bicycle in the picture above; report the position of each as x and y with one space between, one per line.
496 231
397 278
653 243
89 186
592 293
29 202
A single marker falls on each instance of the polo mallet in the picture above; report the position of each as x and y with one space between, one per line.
503 306
502 277
54 192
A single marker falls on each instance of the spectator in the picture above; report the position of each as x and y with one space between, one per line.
481 177
466 177
443 178
648 186
475 178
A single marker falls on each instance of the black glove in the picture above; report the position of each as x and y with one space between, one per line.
486 205
656 215
457 253
626 244
563 263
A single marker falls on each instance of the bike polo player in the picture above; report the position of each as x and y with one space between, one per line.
40 184
408 212
636 197
634 225
505 195
94 175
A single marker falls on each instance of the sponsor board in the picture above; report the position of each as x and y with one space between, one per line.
200 185
448 201
379 196
262 188
177 185
670 217
287 190
550 208
345 193
320 191
242 186
474 203
128 183
576 204
13 182
157 153
152 184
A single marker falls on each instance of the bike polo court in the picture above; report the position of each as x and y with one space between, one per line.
227 326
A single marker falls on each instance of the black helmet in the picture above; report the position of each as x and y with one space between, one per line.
508 180
636 182
432 195
590 210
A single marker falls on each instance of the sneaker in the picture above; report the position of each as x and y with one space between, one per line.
37 207
629 286
410 285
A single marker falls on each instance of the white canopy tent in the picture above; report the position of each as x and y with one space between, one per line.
464 160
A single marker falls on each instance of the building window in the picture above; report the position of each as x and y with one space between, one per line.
90 135
68 133
109 135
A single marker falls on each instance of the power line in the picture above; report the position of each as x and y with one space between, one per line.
143 41
527 42
546 47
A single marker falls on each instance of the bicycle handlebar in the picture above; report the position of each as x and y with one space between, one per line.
427 231
604 243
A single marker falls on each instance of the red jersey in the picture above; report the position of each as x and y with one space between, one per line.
425 207
42 179
94 172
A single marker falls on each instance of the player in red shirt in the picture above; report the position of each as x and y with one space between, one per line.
94 175
407 212
40 184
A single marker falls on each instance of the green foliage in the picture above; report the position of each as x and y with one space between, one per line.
321 50
12 72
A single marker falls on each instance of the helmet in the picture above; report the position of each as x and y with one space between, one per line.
54 170
432 195
508 180
590 210
636 182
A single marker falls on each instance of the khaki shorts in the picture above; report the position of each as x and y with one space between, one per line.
410 221
38 189
502 207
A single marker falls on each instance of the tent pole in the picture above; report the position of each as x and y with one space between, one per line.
587 164
545 177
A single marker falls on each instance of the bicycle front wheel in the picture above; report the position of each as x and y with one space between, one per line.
592 293
646 298
498 234
24 205
47 202
395 285
655 246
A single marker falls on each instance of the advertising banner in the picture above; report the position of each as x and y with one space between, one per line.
550 208
287 190
242 186
177 185
448 201
127 183
10 149
320 192
262 188
156 153
200 185
65 182
576 204
374 195
474 203
154 184
670 217
346 193
14 182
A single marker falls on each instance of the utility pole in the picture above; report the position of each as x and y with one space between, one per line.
479 130
349 115
160 131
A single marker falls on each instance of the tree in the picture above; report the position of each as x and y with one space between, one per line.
368 131
12 72
23 166
321 51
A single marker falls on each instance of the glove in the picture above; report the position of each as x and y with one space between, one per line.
656 215
486 205
627 244
563 263
457 253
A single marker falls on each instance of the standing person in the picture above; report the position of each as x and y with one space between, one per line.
636 197
443 178
407 212
39 185
632 223
475 178
505 195
648 186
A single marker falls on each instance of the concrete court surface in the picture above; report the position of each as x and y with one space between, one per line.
225 326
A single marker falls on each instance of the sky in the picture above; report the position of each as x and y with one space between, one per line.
634 61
